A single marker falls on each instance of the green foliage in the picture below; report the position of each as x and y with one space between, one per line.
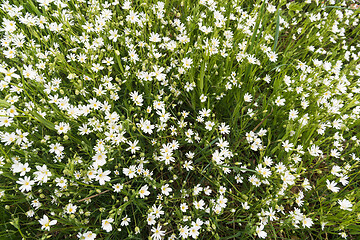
178 119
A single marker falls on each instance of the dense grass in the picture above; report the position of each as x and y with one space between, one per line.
179 119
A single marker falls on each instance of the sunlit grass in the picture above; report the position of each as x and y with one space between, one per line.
179 119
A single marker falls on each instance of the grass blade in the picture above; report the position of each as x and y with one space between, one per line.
277 30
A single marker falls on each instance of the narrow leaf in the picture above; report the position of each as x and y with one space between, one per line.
4 103
277 29
43 121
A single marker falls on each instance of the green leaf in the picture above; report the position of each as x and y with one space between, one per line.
295 6
258 20
233 236
201 77
43 121
277 29
4 103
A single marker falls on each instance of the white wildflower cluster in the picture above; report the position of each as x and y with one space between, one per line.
179 119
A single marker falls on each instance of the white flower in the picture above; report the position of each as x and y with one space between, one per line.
8 138
194 232
133 146
151 219
62 127
315 151
345 204
165 189
224 129
183 207
184 232
332 186
203 98
154 37
268 161
146 126
336 170
127 5
222 201
97 67
157 233
22 168
293 114
61 182
272 56
144 191
205 112
70 208
343 235
130 172
132 17
271 214
306 184
187 165
106 224
288 178
46 223
209 125
307 222
245 205
56 148
157 211
9 73
118 187
271 8
187 62
343 180
247 97
103 177
280 101
42 174
287 145
30 213
99 158
323 225
254 180
260 232
26 184
199 204
262 132
137 98
36 203
125 221
87 236
189 86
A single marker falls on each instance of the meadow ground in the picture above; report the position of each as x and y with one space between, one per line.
192 119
